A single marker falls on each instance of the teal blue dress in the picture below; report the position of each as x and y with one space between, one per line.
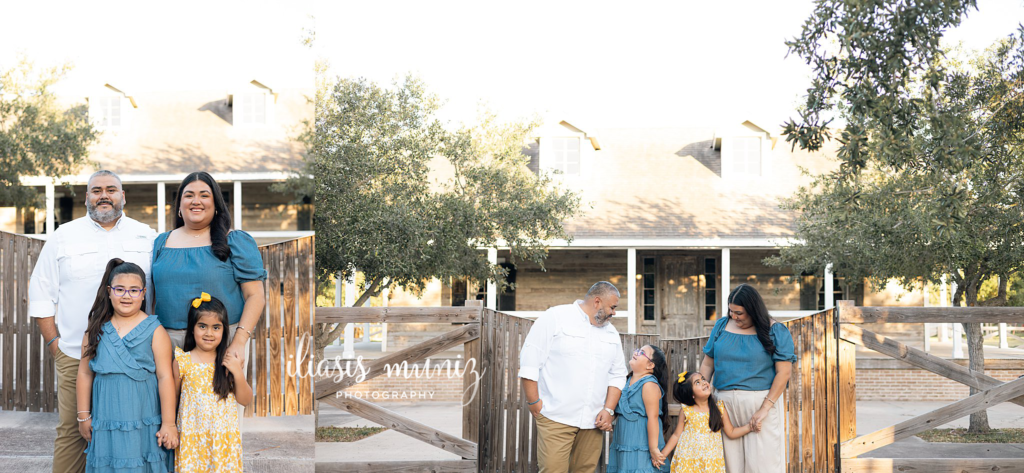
182 274
629 452
126 404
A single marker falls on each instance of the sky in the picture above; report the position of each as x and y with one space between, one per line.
595 64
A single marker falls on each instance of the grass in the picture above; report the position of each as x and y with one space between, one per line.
345 434
962 436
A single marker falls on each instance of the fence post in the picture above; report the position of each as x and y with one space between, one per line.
471 410
846 385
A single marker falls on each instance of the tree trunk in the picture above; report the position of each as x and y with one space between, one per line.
975 352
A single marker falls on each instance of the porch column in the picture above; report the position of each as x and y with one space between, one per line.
161 208
492 287
350 329
51 221
943 302
238 208
726 287
958 349
631 299
830 296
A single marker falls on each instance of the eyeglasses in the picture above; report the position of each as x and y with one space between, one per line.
120 290
640 351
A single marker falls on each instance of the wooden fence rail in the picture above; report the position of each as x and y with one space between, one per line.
279 356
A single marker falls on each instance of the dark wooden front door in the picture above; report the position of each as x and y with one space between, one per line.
679 297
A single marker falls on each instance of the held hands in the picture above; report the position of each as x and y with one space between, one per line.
604 421
756 419
85 428
232 362
657 459
167 437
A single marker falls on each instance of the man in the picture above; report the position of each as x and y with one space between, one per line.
573 372
63 287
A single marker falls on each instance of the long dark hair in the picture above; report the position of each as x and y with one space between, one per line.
102 309
660 373
747 297
223 382
221 224
683 392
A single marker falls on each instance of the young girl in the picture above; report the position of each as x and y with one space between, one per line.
125 389
211 382
642 412
701 417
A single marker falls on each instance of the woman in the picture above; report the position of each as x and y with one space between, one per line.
751 356
203 254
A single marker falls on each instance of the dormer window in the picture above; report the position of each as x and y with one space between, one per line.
746 155
566 153
251 109
106 112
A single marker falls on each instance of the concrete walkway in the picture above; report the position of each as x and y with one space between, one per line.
269 444
871 416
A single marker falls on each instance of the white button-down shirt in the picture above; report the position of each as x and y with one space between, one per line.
70 267
574 364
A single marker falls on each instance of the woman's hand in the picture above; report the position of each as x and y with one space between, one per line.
85 428
167 437
233 363
755 420
657 459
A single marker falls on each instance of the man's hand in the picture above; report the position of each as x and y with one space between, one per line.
53 347
604 421
535 409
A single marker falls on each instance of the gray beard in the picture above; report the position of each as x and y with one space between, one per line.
104 217
601 318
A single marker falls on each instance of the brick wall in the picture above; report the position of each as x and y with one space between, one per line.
917 385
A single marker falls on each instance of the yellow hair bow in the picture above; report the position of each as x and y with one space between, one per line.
204 297
682 376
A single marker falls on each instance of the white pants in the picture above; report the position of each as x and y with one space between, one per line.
756 452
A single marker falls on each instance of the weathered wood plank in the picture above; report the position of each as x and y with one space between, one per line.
486 389
512 405
982 400
471 387
331 315
920 359
21 315
275 304
501 398
413 354
806 387
933 465
405 425
288 329
433 466
820 409
9 320
847 391
259 406
916 315
831 389
792 408
305 302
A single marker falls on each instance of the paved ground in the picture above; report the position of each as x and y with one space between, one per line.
269 444
871 416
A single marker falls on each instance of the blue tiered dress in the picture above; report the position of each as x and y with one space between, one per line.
126 404
629 452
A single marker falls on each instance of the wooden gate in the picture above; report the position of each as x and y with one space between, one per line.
330 390
279 359
992 391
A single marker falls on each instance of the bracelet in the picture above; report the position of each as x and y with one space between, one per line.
534 402
79 412
769 400
51 340
83 420
246 331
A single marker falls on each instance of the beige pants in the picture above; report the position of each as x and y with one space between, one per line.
563 448
69 447
756 452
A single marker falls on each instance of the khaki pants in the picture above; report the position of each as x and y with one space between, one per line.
69 447
563 448
760 452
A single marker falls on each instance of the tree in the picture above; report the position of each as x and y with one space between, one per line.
38 136
402 200
930 151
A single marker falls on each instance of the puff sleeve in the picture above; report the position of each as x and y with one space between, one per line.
245 258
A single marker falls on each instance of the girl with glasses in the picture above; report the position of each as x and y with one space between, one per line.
125 388
639 435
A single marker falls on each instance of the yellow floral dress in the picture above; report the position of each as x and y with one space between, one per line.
207 425
699 449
